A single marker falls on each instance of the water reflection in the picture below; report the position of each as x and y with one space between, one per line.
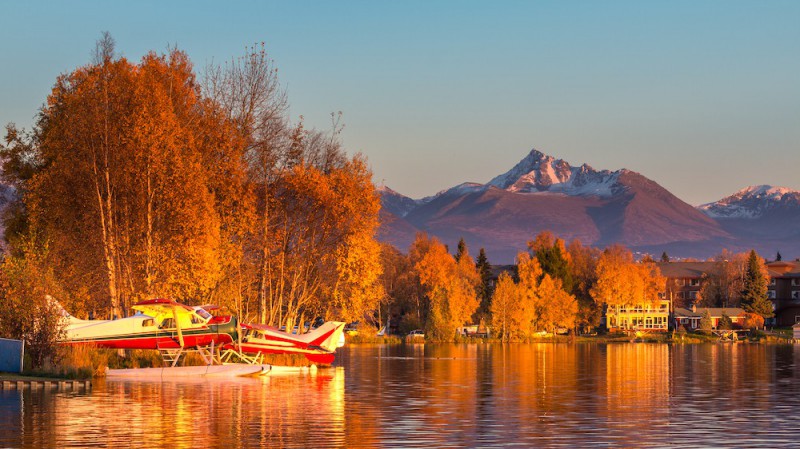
542 395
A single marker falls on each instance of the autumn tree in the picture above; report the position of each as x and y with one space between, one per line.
404 300
20 162
621 282
249 94
27 311
530 274
557 308
723 284
123 192
505 308
754 293
583 263
450 286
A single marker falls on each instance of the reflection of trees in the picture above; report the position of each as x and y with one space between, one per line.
275 410
427 395
637 380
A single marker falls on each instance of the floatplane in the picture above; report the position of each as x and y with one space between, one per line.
173 328
318 345
168 326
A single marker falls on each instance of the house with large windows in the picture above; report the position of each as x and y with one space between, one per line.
640 317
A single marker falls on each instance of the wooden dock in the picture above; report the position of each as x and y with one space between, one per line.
46 384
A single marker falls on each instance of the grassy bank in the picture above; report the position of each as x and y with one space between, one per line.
664 337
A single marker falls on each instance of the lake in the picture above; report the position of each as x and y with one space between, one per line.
445 395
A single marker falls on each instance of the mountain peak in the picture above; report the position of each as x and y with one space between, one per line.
751 202
540 173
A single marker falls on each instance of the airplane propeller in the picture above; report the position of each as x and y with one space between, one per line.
177 325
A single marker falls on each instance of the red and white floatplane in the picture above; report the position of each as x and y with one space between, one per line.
318 345
174 328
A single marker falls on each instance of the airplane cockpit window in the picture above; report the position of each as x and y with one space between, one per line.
205 315
148 323
168 323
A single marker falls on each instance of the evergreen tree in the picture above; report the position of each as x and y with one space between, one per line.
725 322
461 249
553 258
664 257
754 294
484 289
705 321
778 257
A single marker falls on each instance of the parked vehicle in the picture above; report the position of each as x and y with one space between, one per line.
352 328
416 333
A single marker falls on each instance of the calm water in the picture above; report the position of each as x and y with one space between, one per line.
539 395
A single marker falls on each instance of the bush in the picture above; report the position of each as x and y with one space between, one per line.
26 310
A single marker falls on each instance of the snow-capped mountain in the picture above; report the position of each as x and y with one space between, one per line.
396 203
540 173
762 217
542 193
753 202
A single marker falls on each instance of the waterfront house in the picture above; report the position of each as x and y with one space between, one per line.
639 317
690 318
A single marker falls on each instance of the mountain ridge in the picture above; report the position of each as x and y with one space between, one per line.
599 207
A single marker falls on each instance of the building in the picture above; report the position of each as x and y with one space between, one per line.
690 318
639 317
684 280
784 291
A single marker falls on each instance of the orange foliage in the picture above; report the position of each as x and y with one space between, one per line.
621 282
450 287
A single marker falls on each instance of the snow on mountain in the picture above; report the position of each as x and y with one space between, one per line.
461 189
752 202
396 203
540 173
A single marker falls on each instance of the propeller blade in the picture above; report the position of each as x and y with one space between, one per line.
177 325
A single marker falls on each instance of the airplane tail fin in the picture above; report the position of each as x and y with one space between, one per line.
66 316
328 336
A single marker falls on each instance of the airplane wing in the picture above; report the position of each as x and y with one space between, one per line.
162 307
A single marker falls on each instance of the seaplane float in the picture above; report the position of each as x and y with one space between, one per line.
173 329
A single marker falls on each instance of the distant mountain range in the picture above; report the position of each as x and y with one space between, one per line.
599 207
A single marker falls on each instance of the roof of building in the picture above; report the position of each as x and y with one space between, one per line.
715 312
673 270
685 269
779 269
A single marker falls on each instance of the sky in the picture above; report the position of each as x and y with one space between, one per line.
701 96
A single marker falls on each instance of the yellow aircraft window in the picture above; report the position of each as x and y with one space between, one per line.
147 323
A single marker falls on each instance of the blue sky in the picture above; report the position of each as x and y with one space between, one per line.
701 96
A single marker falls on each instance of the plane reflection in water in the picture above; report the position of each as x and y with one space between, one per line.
294 409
